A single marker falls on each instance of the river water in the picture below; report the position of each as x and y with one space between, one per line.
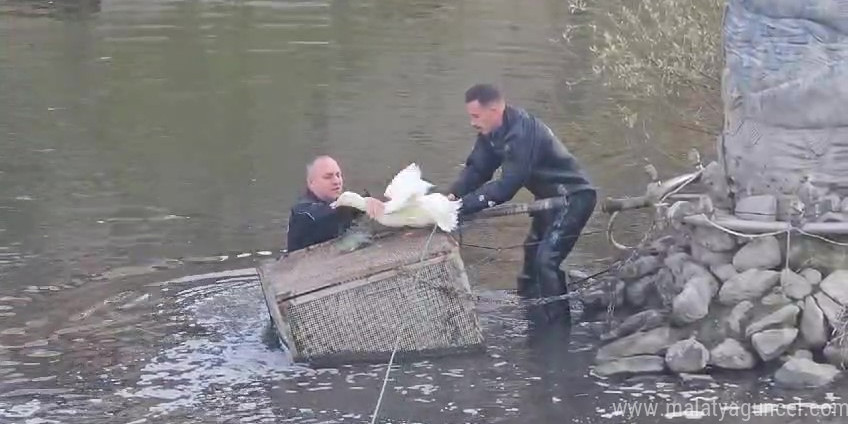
149 151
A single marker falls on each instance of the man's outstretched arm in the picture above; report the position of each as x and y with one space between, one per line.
517 168
479 168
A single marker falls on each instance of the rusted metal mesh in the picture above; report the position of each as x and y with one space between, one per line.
363 322
335 262
386 292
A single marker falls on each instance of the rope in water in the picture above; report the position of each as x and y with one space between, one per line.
399 333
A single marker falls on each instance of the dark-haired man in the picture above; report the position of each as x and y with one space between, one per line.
530 156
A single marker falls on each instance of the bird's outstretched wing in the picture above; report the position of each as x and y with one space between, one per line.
404 186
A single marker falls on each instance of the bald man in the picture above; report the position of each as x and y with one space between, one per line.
312 220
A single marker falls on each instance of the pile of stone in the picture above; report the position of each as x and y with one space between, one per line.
702 299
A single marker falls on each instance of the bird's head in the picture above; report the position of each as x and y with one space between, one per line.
350 199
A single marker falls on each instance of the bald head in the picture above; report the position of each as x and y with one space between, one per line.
324 178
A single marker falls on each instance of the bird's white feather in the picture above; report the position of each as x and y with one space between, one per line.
410 205
406 185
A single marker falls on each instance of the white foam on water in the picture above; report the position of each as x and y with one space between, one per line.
425 389
232 354
244 272
20 411
691 415
603 413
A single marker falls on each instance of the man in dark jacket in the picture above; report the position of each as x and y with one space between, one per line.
312 220
530 156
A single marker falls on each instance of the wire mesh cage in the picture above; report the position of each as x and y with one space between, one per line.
405 290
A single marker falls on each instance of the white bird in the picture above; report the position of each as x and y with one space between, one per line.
409 204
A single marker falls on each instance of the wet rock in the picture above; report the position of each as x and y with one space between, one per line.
691 270
724 272
687 356
804 353
595 299
811 252
675 263
770 344
757 208
577 275
836 352
696 381
794 285
813 328
776 298
708 257
763 253
638 291
599 296
830 308
642 321
666 286
836 286
618 296
631 365
713 239
738 317
693 303
662 245
650 342
785 316
802 373
812 275
640 267
748 285
800 353
730 354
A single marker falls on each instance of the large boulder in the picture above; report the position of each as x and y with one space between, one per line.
693 303
748 285
641 321
687 356
813 327
803 373
763 253
794 285
640 267
738 317
783 317
650 342
730 354
631 365
770 344
836 286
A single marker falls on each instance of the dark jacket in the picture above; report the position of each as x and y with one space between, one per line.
313 221
530 155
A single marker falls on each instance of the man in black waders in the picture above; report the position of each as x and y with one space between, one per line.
530 156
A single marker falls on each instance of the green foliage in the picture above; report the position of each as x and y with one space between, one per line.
668 53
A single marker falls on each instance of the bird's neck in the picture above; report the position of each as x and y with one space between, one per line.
358 202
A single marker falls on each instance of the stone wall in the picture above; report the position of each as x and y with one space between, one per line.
699 299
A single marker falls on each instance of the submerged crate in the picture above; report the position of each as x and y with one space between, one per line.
332 306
